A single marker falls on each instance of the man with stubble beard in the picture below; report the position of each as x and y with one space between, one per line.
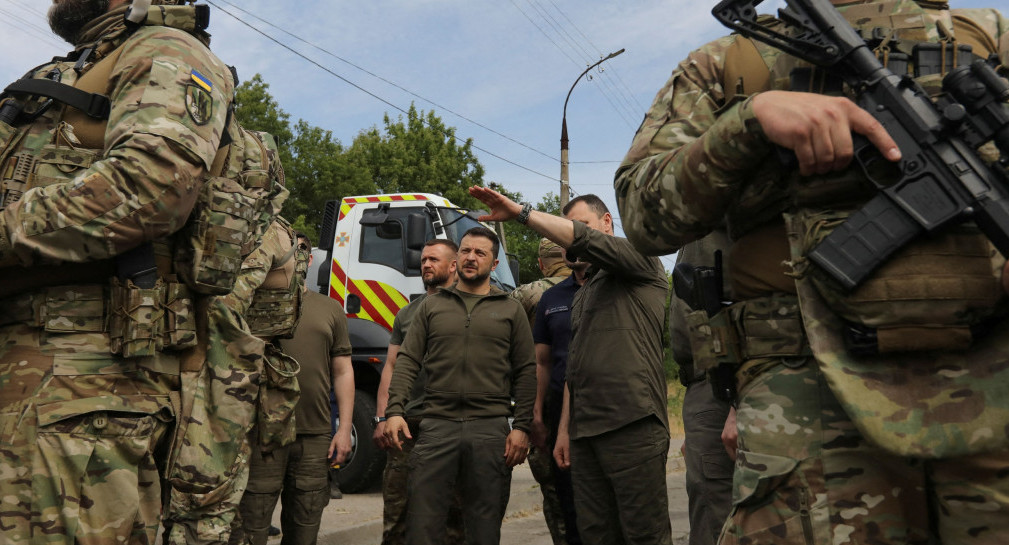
437 266
475 344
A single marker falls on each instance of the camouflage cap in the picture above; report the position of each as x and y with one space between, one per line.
549 249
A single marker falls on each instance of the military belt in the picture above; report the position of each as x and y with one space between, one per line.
762 327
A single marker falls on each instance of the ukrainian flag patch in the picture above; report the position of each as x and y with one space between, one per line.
201 80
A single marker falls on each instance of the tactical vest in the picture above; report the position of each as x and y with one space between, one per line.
937 293
276 304
54 141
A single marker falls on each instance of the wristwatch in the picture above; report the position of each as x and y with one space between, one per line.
378 419
523 216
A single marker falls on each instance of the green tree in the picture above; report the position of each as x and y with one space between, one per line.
418 154
523 241
314 161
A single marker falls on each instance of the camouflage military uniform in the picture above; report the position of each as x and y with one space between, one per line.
708 466
903 447
268 293
92 366
542 463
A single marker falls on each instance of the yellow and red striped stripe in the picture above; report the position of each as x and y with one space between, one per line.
349 202
380 302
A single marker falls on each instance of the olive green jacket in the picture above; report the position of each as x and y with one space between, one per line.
615 372
476 362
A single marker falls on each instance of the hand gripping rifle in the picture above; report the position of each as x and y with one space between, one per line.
940 179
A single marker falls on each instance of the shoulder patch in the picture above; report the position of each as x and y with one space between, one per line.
199 102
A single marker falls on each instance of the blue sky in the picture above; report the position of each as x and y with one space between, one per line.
506 65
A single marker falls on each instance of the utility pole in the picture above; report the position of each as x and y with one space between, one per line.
565 190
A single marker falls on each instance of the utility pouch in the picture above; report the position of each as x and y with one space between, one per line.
137 321
278 395
936 293
74 309
180 317
214 241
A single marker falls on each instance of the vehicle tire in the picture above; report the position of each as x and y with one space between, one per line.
364 466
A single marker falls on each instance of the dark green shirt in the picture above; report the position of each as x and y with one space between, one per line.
321 335
399 328
615 372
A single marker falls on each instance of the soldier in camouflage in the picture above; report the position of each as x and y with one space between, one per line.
100 330
708 466
541 462
907 445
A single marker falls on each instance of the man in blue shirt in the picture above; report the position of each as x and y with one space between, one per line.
552 333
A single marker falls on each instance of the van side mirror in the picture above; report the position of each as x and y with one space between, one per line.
416 233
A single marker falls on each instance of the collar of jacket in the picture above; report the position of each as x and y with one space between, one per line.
454 290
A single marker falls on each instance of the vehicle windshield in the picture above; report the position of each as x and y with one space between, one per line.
501 276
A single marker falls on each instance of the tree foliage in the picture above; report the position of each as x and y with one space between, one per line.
417 153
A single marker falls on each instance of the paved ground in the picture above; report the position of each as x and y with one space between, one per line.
357 518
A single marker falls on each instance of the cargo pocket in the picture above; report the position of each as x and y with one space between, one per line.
278 394
95 464
773 504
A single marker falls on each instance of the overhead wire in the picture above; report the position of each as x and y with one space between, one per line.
392 83
617 101
366 91
629 95
602 89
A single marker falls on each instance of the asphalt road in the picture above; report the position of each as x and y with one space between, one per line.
357 518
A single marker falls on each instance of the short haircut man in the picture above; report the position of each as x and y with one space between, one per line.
617 434
476 346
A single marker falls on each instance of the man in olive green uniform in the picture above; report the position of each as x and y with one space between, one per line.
876 415
91 359
438 263
616 388
551 262
297 472
475 344
708 465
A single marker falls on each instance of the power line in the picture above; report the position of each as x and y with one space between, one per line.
629 94
369 93
602 90
392 83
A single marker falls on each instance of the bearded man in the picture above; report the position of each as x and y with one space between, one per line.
475 344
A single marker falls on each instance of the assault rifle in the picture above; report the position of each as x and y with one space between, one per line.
701 289
940 179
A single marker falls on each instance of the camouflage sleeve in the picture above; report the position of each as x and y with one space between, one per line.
169 104
527 295
688 157
253 273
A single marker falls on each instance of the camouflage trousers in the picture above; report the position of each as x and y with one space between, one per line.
84 438
805 475
395 494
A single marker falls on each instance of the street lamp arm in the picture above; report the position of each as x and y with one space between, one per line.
564 128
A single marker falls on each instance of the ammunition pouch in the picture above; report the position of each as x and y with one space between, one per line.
762 327
936 293
12 179
278 395
139 322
